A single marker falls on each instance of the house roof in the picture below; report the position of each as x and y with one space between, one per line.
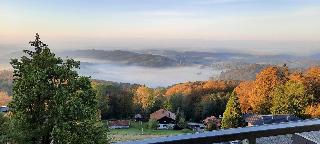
313 136
118 123
138 116
269 119
4 109
161 113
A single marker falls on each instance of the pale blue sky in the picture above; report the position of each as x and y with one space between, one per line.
111 22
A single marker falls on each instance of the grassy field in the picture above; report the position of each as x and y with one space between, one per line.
135 132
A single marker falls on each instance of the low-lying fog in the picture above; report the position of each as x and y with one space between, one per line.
152 77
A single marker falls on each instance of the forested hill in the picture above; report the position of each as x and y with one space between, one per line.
245 72
171 58
123 57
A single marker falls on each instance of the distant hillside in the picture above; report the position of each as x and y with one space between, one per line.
123 57
171 58
316 56
247 72
226 59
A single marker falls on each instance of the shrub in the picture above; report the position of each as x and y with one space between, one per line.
182 123
211 126
153 124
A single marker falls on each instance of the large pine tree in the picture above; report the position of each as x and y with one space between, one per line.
232 116
51 102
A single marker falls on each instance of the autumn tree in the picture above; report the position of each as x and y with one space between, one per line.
244 92
312 76
4 98
184 88
313 111
232 117
297 77
213 86
148 99
51 102
264 85
144 97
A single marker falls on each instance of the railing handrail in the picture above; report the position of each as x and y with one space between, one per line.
225 135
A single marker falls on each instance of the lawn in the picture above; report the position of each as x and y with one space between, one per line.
135 132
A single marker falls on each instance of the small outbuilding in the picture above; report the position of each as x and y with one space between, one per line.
4 109
119 124
198 127
138 117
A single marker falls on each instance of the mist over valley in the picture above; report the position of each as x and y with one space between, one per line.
162 68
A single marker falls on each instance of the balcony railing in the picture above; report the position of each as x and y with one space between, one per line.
249 133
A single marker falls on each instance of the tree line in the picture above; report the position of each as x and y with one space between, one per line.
196 100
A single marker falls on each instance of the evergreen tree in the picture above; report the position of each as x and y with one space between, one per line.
180 119
51 102
3 128
232 116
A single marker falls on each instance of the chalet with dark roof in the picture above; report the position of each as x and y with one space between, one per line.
164 116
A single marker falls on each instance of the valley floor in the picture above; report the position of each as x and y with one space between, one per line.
135 133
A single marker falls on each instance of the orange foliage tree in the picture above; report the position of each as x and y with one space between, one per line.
275 88
201 87
184 88
214 85
313 111
264 84
312 76
144 97
297 77
244 91
4 98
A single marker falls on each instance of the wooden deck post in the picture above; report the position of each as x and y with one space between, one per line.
252 140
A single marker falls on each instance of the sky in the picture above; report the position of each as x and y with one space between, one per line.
259 26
